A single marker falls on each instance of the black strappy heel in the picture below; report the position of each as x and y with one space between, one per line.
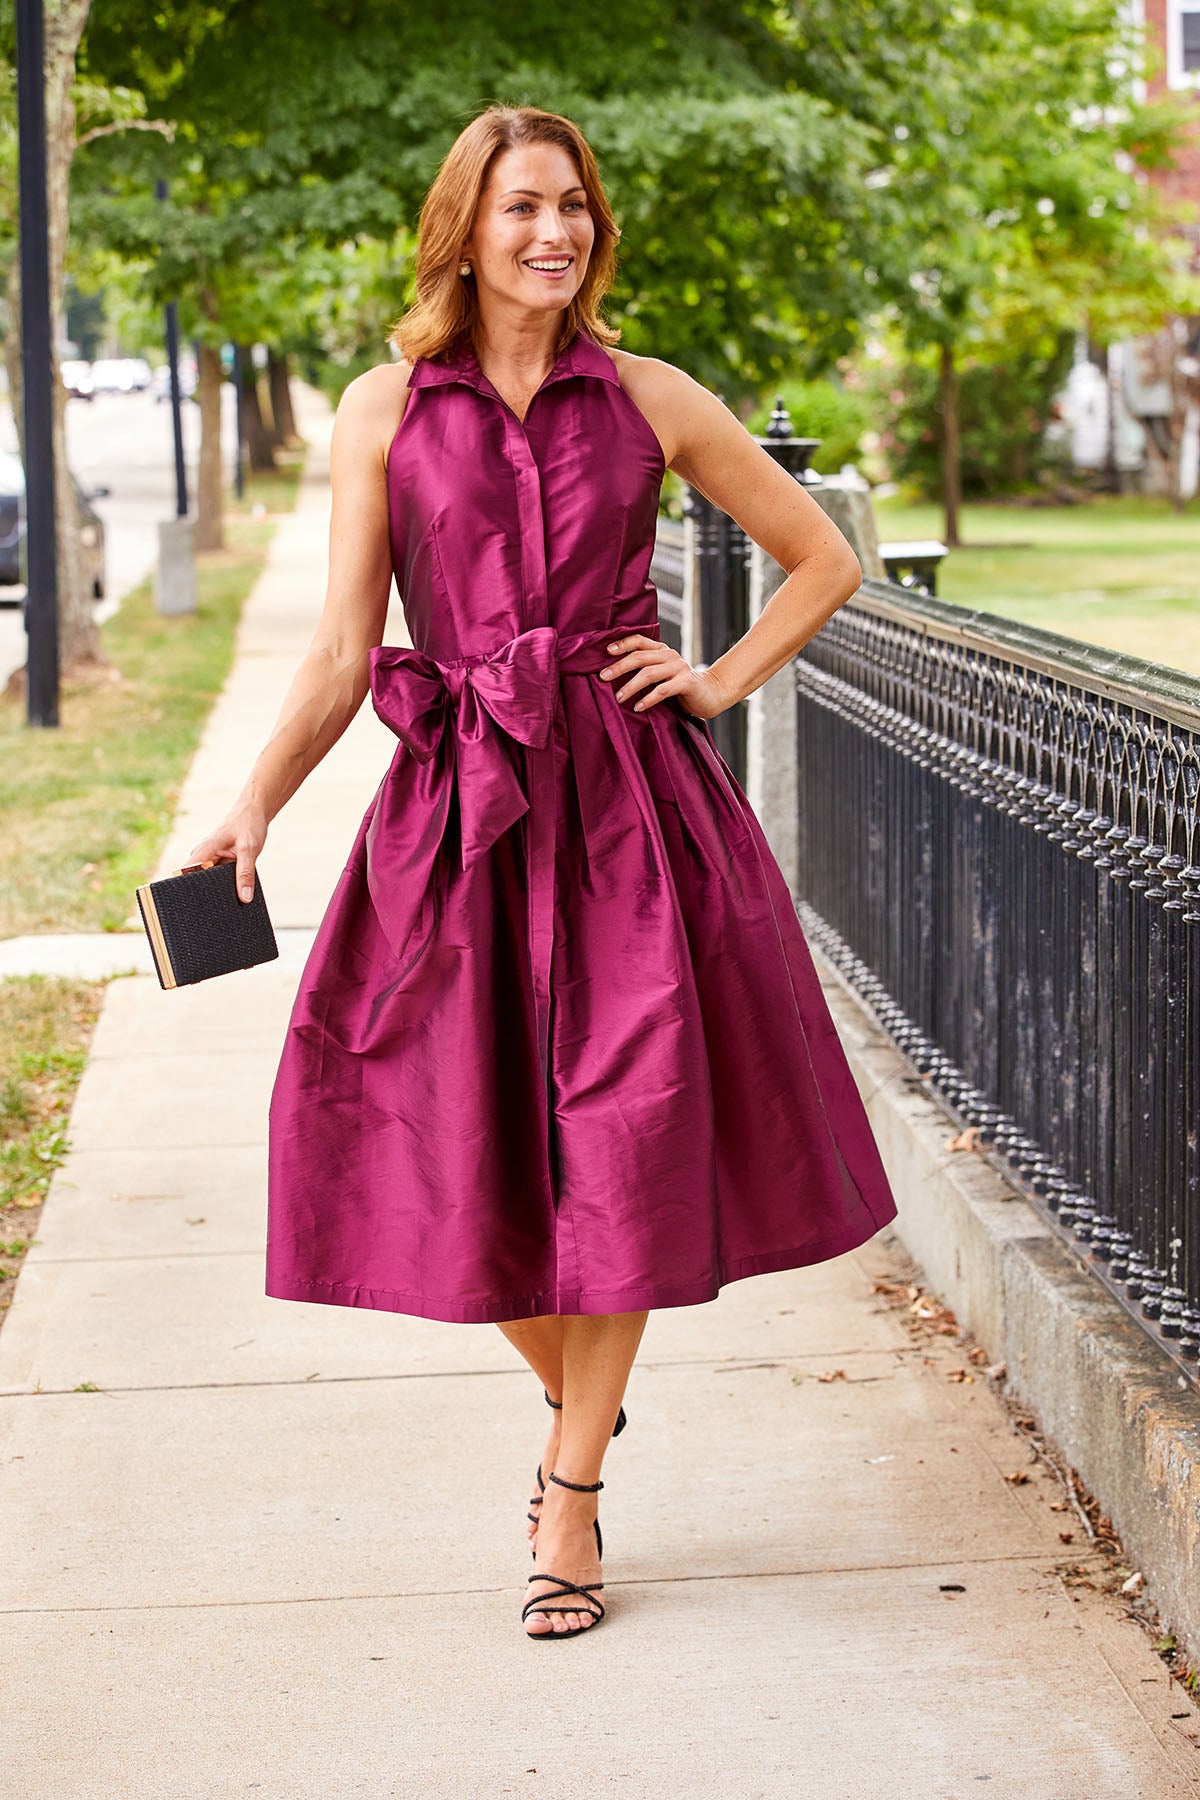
536 1499
551 1603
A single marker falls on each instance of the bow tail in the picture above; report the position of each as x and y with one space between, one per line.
490 796
402 845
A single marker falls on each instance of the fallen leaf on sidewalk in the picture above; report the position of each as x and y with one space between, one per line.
1017 1477
966 1140
832 1375
1134 1584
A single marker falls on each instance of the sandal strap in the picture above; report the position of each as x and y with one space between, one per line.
580 1487
618 1428
547 1602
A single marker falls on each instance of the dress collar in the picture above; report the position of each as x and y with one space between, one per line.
582 356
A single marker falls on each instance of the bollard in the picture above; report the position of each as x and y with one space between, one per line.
175 587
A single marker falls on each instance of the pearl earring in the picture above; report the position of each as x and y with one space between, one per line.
464 268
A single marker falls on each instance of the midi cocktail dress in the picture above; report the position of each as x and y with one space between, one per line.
559 1045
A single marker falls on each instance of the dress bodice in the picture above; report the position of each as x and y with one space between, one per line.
498 524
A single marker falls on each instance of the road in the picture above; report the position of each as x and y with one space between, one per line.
123 442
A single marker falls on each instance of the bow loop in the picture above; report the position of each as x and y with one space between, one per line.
409 694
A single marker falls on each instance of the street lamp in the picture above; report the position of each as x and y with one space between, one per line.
176 587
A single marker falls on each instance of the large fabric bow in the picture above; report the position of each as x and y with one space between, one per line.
478 704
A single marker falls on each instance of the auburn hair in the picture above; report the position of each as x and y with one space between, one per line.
446 309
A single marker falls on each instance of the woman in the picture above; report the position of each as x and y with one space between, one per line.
559 1054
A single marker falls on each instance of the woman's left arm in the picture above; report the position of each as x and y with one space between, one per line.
714 453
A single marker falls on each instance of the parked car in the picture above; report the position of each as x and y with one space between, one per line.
12 526
77 379
110 376
12 517
121 374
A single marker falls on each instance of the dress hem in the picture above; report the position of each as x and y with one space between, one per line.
577 1302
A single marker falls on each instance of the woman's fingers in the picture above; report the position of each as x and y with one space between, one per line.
245 875
646 661
649 675
228 845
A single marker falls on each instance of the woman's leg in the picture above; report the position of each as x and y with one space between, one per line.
597 1355
540 1342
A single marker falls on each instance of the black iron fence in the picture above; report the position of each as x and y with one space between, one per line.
722 611
998 847
667 574
722 578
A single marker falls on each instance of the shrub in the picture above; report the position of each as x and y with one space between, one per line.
822 409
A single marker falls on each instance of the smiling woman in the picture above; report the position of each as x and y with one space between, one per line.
559 1054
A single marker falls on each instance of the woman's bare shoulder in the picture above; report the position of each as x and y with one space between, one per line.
663 393
372 405
646 372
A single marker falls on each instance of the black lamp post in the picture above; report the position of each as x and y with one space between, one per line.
172 336
37 372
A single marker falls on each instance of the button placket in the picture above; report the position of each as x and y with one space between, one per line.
542 763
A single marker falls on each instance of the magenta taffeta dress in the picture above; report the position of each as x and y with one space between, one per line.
559 1045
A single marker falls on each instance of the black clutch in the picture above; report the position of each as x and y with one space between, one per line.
198 927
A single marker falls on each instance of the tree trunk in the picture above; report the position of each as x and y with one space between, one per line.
209 498
78 638
282 416
257 437
951 447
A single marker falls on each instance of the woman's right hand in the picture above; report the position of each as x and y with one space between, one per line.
238 838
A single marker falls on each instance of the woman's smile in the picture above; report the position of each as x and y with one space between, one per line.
550 268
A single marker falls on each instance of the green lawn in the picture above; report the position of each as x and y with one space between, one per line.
88 804
1121 571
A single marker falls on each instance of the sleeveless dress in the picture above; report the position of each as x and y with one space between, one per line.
559 1045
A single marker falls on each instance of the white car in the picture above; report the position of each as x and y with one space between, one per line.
121 374
77 378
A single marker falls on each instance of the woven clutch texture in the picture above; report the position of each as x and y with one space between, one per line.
198 927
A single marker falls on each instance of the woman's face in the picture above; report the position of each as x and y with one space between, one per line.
533 211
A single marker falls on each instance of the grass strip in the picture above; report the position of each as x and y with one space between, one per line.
46 1025
86 806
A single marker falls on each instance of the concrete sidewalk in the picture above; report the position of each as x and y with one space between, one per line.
261 1547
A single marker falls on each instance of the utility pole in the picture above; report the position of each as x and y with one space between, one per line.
239 477
175 589
37 372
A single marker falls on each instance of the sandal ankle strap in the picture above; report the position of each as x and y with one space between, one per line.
591 1487
556 1404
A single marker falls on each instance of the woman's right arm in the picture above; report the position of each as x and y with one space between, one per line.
334 676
